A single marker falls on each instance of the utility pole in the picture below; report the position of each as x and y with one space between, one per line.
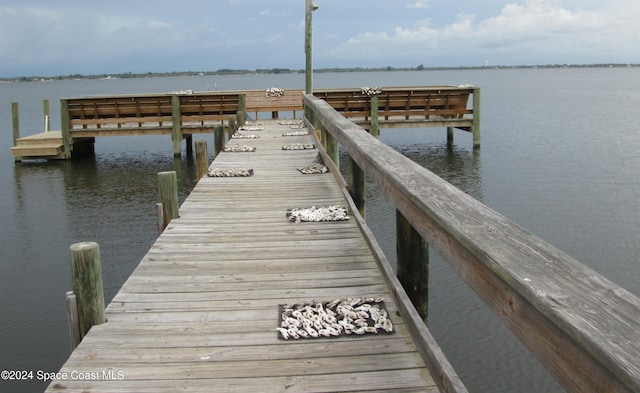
310 7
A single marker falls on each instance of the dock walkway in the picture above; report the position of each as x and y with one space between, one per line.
200 312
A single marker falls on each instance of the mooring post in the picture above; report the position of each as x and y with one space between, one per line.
218 137
64 127
86 274
413 264
176 132
476 117
357 186
72 319
242 106
233 126
374 126
15 120
449 136
168 196
47 115
202 158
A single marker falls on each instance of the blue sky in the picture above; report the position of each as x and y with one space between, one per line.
55 37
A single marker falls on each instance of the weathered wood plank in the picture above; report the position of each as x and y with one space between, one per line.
201 309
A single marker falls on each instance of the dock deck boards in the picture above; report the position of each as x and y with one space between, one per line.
200 312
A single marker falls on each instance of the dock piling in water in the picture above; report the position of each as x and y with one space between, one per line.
168 196
202 158
86 272
15 120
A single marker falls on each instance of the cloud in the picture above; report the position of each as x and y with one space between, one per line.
419 4
530 32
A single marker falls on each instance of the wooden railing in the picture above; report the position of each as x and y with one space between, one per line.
176 114
583 328
415 106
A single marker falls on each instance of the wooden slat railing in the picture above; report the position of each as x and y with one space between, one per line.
583 328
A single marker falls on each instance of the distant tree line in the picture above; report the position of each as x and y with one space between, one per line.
226 71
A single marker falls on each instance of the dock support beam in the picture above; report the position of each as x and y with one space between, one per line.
218 140
332 146
202 158
374 128
476 117
86 272
413 264
47 115
168 196
176 132
64 127
357 186
15 121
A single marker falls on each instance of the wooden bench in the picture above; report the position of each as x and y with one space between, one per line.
148 114
428 102
258 101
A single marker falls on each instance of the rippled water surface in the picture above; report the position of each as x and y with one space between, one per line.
559 156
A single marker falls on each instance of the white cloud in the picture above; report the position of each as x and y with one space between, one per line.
419 4
537 30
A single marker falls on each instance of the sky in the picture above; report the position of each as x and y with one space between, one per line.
56 37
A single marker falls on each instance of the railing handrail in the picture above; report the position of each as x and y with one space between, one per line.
584 328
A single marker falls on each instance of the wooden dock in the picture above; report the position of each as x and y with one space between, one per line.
200 312
182 115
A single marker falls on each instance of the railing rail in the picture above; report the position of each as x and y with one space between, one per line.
583 328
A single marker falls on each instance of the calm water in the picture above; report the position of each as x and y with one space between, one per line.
559 156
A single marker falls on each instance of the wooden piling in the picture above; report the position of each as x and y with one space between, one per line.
202 158
72 319
47 115
189 147
476 117
168 196
357 186
15 120
64 127
450 136
86 273
218 140
176 132
374 126
413 264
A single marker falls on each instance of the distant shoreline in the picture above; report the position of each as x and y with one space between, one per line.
295 71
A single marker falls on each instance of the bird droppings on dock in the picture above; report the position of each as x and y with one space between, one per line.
340 317
230 172
299 146
239 149
317 214
314 169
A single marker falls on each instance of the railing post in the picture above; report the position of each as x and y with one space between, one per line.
176 132
218 140
476 117
374 128
15 120
202 158
332 146
64 127
86 273
168 196
242 106
357 186
413 264
47 115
